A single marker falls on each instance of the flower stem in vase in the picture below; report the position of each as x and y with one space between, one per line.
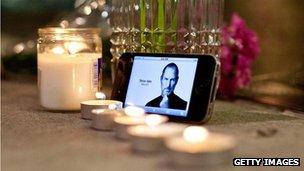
159 31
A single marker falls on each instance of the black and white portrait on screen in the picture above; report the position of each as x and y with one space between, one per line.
168 99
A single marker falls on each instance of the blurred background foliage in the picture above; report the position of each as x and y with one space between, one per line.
277 74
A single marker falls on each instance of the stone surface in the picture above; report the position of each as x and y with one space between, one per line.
35 139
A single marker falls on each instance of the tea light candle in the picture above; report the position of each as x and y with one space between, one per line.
89 105
198 147
103 119
133 116
150 137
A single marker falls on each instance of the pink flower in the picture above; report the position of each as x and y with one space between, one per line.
239 48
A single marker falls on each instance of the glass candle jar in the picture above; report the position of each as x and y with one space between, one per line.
69 66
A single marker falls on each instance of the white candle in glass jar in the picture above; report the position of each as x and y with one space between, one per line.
65 80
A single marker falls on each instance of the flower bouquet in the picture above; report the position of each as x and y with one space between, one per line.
240 47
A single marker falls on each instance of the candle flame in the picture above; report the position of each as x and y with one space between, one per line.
100 95
58 50
98 111
153 120
75 47
195 134
134 111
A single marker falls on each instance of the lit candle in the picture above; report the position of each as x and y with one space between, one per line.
68 67
103 119
197 147
89 105
66 80
133 116
145 138
195 134
150 137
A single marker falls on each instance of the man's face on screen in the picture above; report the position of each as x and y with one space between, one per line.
168 81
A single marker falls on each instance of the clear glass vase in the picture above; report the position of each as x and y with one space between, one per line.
165 26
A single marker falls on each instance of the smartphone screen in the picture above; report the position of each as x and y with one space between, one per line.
161 85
